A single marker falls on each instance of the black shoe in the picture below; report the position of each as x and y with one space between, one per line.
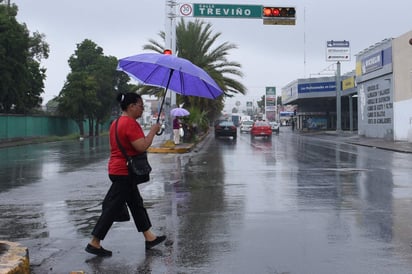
101 252
158 240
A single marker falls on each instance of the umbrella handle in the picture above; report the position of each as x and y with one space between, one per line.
161 131
158 117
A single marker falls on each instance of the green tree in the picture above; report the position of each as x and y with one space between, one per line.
196 42
279 100
77 97
21 74
89 91
261 103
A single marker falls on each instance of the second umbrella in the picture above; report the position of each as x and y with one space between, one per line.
179 112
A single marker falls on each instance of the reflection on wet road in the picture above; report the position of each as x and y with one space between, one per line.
289 204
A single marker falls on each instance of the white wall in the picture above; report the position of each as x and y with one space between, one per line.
402 112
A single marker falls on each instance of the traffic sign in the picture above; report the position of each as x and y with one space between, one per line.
186 9
221 10
337 50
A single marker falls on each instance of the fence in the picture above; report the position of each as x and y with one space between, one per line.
20 126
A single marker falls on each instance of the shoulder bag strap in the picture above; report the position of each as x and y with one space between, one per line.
118 142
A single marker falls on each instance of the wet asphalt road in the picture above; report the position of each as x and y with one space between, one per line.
292 204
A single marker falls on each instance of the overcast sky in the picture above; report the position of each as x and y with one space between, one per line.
271 55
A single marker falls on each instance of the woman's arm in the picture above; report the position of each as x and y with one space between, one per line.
142 144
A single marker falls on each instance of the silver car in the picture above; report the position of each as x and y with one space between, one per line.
275 126
245 126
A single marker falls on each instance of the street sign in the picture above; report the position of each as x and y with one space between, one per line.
279 21
221 10
337 50
186 9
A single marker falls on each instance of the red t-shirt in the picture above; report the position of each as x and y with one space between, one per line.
128 131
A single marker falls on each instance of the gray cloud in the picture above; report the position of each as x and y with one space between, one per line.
270 55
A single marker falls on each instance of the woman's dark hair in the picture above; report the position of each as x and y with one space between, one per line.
125 99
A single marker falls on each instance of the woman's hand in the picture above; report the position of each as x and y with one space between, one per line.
143 144
156 127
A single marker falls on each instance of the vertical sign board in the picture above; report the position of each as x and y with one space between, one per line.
270 97
337 51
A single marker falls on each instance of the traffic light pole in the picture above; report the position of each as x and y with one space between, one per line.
170 43
338 99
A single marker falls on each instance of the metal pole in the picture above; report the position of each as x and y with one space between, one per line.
171 18
170 43
350 113
338 99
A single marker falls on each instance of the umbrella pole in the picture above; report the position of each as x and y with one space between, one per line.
163 101
161 107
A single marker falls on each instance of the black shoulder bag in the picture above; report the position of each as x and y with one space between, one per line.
138 166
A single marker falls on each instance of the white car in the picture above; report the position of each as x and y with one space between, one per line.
275 126
246 126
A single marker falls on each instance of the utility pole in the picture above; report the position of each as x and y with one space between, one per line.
338 100
338 51
170 43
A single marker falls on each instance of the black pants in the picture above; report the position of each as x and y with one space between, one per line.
123 190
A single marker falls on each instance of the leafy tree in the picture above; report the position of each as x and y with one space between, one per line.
261 103
197 122
279 100
21 74
89 91
197 43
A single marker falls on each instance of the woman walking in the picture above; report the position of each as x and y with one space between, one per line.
124 189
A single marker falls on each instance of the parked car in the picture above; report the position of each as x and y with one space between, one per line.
261 128
246 126
275 126
225 129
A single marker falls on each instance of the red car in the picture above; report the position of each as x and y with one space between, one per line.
261 128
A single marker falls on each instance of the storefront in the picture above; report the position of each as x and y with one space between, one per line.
316 103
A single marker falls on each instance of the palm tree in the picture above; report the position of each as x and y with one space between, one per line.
196 42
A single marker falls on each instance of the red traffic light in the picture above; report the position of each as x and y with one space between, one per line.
279 12
270 12
167 51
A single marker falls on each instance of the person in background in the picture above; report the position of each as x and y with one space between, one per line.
124 189
176 128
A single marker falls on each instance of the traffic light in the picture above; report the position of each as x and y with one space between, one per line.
279 15
167 51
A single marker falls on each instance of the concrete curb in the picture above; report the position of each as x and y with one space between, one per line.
175 149
14 258
170 147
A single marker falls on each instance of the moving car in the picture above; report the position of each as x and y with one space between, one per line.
246 126
261 128
275 126
225 129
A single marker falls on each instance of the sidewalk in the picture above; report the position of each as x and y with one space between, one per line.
355 139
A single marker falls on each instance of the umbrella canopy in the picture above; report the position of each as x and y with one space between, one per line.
179 112
170 72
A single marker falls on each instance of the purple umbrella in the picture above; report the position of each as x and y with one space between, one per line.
179 112
170 72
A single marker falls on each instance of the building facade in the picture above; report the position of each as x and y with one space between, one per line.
384 79
316 102
376 98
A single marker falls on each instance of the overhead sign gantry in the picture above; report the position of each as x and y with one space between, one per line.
271 15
